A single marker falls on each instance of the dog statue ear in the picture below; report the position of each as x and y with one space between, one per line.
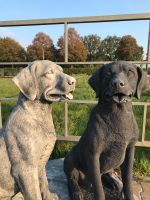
143 82
94 82
26 82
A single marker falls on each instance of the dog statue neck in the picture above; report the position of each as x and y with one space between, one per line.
118 115
38 111
36 105
112 107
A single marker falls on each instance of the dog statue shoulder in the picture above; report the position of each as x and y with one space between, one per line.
28 137
109 138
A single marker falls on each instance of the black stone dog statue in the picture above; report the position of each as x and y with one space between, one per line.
109 138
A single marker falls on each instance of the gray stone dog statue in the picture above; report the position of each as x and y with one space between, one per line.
109 138
28 137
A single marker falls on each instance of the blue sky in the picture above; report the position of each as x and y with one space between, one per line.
41 9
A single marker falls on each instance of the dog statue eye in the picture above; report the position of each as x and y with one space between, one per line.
130 73
49 73
108 73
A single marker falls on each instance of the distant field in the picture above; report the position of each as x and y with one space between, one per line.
78 117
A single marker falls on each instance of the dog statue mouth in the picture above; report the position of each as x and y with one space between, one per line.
120 97
68 96
59 97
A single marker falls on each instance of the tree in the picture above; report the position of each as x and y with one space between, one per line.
128 49
93 45
11 51
76 48
42 47
109 47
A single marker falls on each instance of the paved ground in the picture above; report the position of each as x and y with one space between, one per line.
58 182
142 189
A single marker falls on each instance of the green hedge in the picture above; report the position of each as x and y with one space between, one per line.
77 70
81 70
9 71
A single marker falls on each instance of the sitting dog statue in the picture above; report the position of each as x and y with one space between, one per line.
28 137
111 133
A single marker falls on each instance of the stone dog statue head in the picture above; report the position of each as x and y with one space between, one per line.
45 80
119 81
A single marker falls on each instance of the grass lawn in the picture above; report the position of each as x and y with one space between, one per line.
78 117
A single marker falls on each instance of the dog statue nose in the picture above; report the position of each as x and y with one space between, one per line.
117 83
71 80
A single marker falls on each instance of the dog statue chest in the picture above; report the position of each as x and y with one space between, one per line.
113 154
119 132
119 126
47 137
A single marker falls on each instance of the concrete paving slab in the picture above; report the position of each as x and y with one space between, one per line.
137 190
146 190
146 198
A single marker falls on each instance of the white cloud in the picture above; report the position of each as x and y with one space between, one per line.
4 32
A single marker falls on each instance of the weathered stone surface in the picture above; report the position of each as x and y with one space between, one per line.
58 182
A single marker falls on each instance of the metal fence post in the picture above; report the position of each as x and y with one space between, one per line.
66 119
0 116
148 47
66 41
144 123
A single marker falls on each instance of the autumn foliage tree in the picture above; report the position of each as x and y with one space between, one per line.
89 47
11 51
76 48
93 45
128 49
109 47
42 47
